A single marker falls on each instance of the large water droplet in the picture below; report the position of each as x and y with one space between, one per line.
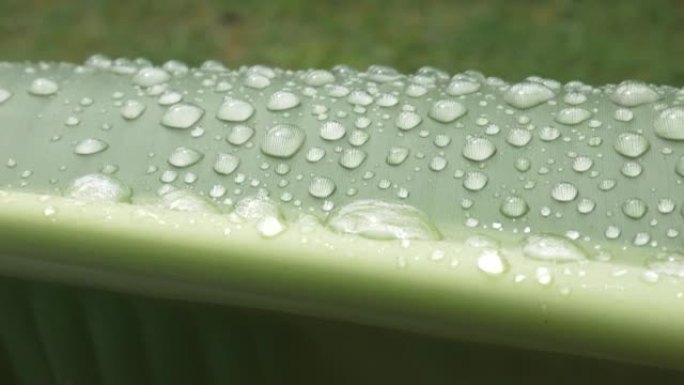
282 100
383 220
582 163
670 124
90 146
317 78
240 134
98 188
631 94
184 157
527 94
150 76
634 208
518 137
459 87
474 180
446 111
321 187
478 149
631 145
514 206
332 130
226 164
352 158
43 87
407 120
182 115
283 140
564 192
572 116
551 248
235 110
132 109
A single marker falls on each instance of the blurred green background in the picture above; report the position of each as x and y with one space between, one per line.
595 41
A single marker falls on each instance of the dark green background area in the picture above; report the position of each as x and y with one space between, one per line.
596 41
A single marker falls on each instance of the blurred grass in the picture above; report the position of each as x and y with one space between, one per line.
596 41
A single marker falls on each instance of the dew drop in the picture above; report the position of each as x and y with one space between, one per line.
407 120
150 76
564 192
4 95
98 188
549 133
631 145
226 164
321 187
572 116
315 154
582 163
478 149
551 248
182 115
282 100
184 157
585 206
332 130
474 180
132 109
666 206
438 163
397 155
317 78
240 134
381 220
527 94
623 115
263 211
90 146
634 208
612 232
446 111
518 137
283 140
43 87
459 87
631 169
631 94
490 262
670 124
514 207
186 201
352 158
235 110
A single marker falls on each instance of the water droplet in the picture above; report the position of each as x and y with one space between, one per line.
551 248
631 94
522 164
397 155
4 95
478 149
442 141
317 78
332 130
572 116
641 239
670 124
352 158
631 169
169 97
150 76
283 140
527 94
235 110
90 146
490 262
383 220
132 109
514 206
226 164
607 184
257 81
387 100
575 98
518 137
543 276
185 201
98 188
407 120
184 157
43 87
438 163
240 134
634 208
631 145
623 115
671 265
564 192
582 163
358 138
282 100
585 206
446 111
650 276
268 218
459 87
182 115
321 187
474 180
315 154
360 98
549 133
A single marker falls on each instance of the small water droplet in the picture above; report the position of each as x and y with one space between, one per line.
612 232
666 205
585 206
549 133
490 262
582 163
459 87
407 120
240 134
518 137
315 154
631 169
514 206
4 95
543 276
317 78
150 76
474 180
352 158
623 115
572 116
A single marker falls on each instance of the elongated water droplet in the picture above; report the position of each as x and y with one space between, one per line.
631 94
382 220
321 187
572 116
235 110
478 149
282 100
332 130
43 87
670 124
527 94
446 111
283 140
240 134
631 145
90 146
551 248
226 164
184 157
150 76
182 115
98 188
